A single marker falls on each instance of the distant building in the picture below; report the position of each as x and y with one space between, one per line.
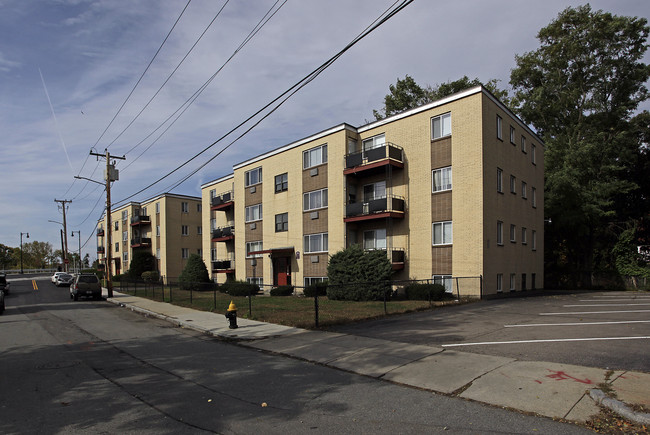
167 226
452 189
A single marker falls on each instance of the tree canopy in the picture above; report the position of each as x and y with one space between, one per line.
580 91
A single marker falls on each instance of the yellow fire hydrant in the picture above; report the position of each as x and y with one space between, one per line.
231 315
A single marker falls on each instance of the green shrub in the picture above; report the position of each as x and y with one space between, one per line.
319 288
239 288
358 275
195 275
119 277
283 290
425 292
150 276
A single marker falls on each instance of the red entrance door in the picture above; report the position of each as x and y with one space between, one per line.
281 271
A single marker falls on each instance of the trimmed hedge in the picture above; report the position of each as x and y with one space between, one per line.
283 290
425 292
239 288
150 276
319 288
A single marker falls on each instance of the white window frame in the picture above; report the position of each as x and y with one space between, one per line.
513 135
446 230
307 242
373 142
284 182
513 282
309 280
258 280
499 180
284 223
441 126
253 177
533 152
254 247
523 144
441 179
185 230
185 253
158 253
253 213
499 282
157 230
446 281
499 233
157 208
185 207
376 237
213 254
513 184
311 196
376 193
513 233
213 224
125 215
125 236
125 256
524 190
499 127
314 156
524 236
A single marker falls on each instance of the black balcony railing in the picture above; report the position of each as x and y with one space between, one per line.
375 206
221 199
135 220
100 232
220 233
140 241
100 250
388 150
223 265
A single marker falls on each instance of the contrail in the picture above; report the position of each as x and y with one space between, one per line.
58 130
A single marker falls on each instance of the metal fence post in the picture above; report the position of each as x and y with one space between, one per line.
316 309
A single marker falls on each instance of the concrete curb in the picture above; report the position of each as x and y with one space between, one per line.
619 407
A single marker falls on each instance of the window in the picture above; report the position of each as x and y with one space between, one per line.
513 233
532 281
512 135
524 194
523 144
523 281
513 281
199 230
213 254
125 256
309 280
446 281
157 207
533 193
374 142
185 207
374 191
281 182
314 156
185 231
524 236
213 193
125 215
125 236
314 200
143 211
533 158
185 253
281 222
442 233
534 237
199 252
315 243
499 128
254 213
513 184
117 226
117 247
499 282
158 253
499 180
374 239
441 126
157 230
499 233
253 247
199 208
441 179
257 281
252 177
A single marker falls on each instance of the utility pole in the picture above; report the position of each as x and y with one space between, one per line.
65 232
111 174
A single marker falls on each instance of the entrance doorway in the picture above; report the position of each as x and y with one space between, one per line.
281 271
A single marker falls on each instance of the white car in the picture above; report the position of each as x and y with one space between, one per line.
55 276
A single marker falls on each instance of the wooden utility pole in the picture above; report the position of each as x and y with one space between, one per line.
65 232
110 175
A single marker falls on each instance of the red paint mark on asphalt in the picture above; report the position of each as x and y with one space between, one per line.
539 382
562 376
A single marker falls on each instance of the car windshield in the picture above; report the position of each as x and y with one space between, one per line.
65 276
88 278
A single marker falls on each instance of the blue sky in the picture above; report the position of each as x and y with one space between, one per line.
86 56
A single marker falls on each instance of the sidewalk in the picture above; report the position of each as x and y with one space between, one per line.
547 389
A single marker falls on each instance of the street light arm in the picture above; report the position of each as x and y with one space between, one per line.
88 179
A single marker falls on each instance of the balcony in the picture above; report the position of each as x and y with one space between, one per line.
374 159
140 242
223 266
100 232
389 206
397 258
101 250
223 234
223 201
140 220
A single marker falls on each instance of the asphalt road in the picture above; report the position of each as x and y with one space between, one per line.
608 330
93 367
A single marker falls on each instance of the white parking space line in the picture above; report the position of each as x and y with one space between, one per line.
576 323
615 300
557 340
593 312
606 305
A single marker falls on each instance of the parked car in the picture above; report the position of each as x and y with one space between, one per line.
64 279
86 285
53 278
4 284
2 301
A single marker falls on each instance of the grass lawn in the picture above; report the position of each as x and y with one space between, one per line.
284 310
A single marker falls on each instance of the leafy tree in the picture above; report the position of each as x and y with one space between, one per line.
194 274
580 91
141 262
6 257
358 275
407 94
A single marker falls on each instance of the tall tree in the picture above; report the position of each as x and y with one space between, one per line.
580 90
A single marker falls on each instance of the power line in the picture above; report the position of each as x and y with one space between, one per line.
385 16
